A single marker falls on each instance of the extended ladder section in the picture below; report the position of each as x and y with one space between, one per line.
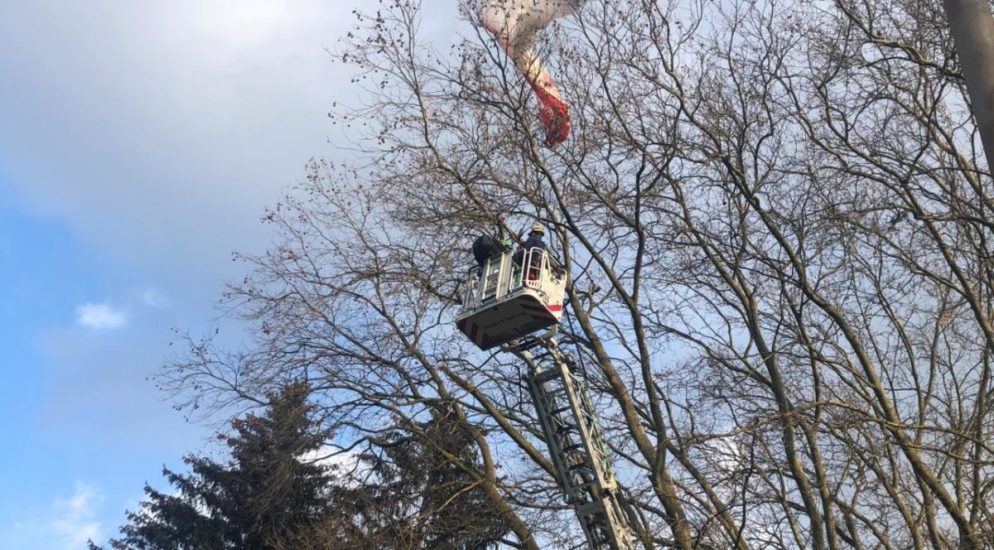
578 451
508 299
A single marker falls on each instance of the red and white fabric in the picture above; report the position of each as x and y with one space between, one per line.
515 24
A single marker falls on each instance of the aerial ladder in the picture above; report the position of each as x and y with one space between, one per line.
509 302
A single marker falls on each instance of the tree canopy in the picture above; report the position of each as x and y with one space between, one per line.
266 496
777 220
278 492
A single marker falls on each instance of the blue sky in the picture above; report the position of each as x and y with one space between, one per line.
139 144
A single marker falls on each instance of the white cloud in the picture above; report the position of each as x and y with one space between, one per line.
332 457
345 465
178 121
75 521
100 317
155 299
159 131
67 523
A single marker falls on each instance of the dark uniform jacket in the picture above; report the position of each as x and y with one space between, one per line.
534 240
484 248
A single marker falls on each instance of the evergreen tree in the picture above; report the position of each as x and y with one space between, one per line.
420 488
264 497
415 488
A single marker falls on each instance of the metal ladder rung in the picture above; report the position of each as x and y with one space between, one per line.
570 429
573 448
546 376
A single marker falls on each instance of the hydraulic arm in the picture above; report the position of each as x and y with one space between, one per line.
578 451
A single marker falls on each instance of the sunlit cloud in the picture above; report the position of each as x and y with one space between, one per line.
100 317
75 522
67 524
155 299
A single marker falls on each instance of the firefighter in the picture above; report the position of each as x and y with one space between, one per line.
535 239
486 247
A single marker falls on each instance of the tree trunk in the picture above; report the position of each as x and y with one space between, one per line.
973 32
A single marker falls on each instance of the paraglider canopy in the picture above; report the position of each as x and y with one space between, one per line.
515 24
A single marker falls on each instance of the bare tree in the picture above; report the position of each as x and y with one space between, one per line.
778 225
